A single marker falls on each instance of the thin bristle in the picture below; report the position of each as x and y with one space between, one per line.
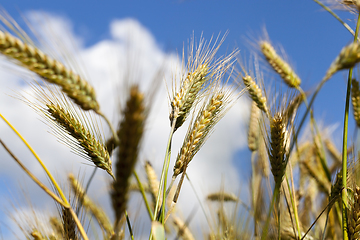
50 70
279 65
254 127
355 100
130 134
255 93
90 206
93 148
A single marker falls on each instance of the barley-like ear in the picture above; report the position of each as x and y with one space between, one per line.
254 127
277 147
130 133
336 188
69 225
256 93
50 70
90 206
355 100
56 226
73 127
279 65
197 134
201 66
93 149
348 57
222 197
354 216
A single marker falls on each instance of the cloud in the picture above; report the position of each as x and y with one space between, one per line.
131 51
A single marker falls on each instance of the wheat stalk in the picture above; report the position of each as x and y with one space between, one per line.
50 70
279 65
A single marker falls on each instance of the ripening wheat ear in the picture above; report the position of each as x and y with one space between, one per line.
50 70
254 127
74 128
354 215
355 100
279 65
348 57
201 66
130 133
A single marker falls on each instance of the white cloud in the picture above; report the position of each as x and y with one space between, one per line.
107 62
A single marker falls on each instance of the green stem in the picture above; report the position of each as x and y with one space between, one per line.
129 225
266 227
337 17
143 195
116 138
344 150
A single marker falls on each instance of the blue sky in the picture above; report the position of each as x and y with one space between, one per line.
311 37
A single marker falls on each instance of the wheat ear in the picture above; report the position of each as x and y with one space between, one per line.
94 150
348 57
256 93
37 235
196 136
254 127
69 225
222 197
355 100
279 65
152 181
201 66
277 147
50 70
354 216
90 206
130 133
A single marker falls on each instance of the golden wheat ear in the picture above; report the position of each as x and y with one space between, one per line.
201 67
280 65
30 57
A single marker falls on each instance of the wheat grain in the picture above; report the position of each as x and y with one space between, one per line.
50 70
279 65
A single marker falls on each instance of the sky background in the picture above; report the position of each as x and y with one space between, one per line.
103 31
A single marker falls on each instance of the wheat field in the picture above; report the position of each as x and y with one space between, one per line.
122 140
